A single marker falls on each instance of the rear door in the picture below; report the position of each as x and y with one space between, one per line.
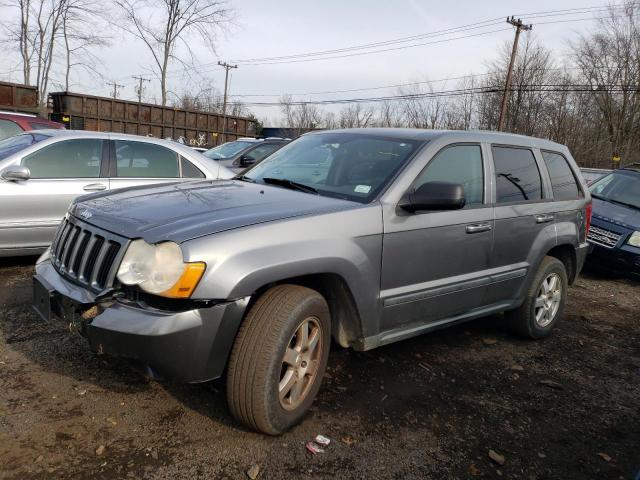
524 218
60 172
142 163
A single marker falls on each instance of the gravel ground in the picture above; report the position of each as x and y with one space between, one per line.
567 407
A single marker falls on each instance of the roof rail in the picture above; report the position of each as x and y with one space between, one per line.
22 114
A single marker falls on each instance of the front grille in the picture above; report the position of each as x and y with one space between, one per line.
86 255
603 237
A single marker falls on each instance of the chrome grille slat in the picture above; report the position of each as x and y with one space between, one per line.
87 255
70 247
101 254
91 261
603 237
63 238
79 251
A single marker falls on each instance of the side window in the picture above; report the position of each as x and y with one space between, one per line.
8 129
457 164
189 170
259 153
563 181
145 160
66 159
517 175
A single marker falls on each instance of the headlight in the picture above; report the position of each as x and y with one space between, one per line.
159 269
634 239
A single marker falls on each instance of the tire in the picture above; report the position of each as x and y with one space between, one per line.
536 317
269 351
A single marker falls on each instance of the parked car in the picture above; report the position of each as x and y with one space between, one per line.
590 175
12 123
614 236
245 152
42 171
366 236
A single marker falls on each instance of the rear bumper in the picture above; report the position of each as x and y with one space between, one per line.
188 346
581 255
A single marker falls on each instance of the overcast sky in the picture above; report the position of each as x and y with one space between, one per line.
285 27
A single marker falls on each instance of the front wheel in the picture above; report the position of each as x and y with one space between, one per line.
279 358
544 303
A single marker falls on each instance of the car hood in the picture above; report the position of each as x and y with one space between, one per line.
627 217
183 211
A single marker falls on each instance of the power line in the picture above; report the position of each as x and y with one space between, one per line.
471 26
402 47
399 85
569 88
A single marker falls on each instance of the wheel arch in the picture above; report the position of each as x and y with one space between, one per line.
346 323
566 253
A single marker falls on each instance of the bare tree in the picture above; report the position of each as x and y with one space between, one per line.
300 116
165 25
356 115
609 61
80 24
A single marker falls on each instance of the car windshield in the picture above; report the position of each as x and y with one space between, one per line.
14 144
619 187
227 150
352 166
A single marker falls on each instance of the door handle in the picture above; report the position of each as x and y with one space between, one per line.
544 218
94 187
478 227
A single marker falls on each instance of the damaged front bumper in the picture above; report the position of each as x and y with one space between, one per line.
187 345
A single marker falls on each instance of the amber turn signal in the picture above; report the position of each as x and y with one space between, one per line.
188 281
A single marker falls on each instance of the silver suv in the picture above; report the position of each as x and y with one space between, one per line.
363 237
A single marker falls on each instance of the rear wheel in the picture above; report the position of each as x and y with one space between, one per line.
545 301
279 358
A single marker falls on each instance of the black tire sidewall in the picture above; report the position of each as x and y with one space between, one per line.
281 419
549 265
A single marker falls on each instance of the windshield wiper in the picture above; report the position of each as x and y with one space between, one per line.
283 182
244 178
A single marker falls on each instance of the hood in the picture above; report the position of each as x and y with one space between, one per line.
627 217
183 211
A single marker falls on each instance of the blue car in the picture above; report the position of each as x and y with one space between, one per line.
614 235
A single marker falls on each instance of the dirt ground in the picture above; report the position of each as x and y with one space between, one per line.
567 407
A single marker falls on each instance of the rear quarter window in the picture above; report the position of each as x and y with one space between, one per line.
563 181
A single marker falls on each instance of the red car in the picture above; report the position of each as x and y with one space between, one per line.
12 123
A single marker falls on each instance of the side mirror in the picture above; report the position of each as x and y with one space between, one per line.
434 196
247 160
16 173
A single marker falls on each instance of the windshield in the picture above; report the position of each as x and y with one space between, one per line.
352 166
227 150
17 143
618 187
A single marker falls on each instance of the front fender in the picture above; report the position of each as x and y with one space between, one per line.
242 261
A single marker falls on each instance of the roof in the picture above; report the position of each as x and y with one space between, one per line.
469 135
108 135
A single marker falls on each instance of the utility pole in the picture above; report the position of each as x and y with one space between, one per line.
140 89
507 85
116 86
226 67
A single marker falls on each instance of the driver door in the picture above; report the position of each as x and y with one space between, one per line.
435 263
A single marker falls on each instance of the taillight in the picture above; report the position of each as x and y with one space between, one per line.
588 217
